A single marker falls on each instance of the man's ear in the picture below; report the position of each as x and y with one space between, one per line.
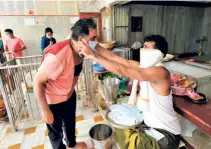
80 38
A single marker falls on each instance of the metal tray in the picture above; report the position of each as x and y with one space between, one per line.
113 124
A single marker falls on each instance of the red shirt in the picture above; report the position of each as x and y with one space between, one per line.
58 63
13 46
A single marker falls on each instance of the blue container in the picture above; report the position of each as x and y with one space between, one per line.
98 68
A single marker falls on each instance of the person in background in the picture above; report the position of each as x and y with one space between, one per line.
47 40
1 45
1 51
14 46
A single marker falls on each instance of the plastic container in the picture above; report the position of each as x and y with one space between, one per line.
98 68
178 91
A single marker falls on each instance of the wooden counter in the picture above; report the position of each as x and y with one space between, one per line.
200 115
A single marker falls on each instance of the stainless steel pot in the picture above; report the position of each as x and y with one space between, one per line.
110 87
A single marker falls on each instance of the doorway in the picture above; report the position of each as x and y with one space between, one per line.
97 17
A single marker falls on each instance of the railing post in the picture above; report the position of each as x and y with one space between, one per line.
7 105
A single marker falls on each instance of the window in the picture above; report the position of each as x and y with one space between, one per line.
136 24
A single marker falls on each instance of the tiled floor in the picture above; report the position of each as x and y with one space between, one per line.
200 140
30 136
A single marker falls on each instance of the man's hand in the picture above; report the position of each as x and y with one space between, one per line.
10 51
87 53
51 43
85 50
47 116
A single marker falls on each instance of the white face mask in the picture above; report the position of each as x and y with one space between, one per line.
9 36
92 45
150 57
49 37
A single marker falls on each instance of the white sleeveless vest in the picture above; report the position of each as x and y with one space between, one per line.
158 110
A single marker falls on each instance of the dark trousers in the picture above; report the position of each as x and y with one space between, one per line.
64 121
170 141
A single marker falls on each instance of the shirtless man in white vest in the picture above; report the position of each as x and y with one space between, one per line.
157 107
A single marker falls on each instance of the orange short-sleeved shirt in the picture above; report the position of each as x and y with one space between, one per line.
60 71
14 44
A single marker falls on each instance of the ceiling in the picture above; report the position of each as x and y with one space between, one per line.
206 3
97 5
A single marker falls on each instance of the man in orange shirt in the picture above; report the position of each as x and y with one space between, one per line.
54 85
14 46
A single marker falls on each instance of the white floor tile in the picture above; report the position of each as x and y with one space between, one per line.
82 138
3 125
13 138
89 143
39 137
84 132
47 144
3 146
42 125
29 141
84 127
85 124
25 124
89 114
40 134
85 139
78 113
3 131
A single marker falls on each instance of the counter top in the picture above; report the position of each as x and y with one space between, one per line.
200 115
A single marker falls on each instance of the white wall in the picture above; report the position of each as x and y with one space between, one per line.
31 35
96 5
91 6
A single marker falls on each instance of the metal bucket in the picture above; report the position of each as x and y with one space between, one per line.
101 136
110 87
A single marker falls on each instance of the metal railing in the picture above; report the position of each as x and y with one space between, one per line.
16 79
16 85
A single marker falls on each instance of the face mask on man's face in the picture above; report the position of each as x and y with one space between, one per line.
92 44
9 36
150 57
